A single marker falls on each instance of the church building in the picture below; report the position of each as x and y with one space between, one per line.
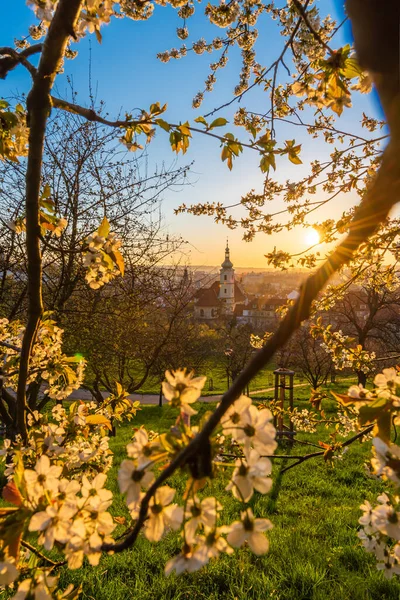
222 297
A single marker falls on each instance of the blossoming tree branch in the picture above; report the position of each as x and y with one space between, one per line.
57 463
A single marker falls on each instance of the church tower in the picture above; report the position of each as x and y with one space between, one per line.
227 283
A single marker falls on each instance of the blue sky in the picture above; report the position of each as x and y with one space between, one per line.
127 75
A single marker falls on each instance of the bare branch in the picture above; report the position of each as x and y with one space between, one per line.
302 459
11 58
10 346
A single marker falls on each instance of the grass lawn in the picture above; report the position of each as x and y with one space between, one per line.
314 552
216 376
264 380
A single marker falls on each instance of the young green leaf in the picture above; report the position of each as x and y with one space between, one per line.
220 122
104 228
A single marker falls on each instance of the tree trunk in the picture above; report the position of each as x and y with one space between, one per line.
362 378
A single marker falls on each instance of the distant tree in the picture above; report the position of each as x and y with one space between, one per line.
233 347
123 330
372 316
90 176
369 313
306 356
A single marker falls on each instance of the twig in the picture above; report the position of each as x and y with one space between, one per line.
42 556
91 115
314 454
302 12
11 346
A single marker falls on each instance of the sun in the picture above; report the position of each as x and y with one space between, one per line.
312 237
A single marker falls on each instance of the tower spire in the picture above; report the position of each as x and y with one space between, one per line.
227 262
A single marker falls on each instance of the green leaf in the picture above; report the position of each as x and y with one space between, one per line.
201 120
98 420
185 129
383 426
46 191
267 161
74 407
351 69
107 258
104 228
155 108
220 122
294 159
98 35
45 218
119 261
77 358
226 155
236 148
163 124
345 400
253 131
371 412
48 205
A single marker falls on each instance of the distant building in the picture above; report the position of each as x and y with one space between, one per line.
221 298
262 313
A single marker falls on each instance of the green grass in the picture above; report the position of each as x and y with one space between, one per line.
264 380
314 552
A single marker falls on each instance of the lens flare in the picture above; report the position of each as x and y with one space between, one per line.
311 237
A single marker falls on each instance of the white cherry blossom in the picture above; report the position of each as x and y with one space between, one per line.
185 561
232 419
251 531
132 477
256 431
251 473
141 446
200 512
8 572
54 523
94 489
162 514
44 477
211 544
182 389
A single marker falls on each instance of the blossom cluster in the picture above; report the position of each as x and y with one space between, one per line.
75 439
344 422
380 524
57 484
59 374
13 131
380 532
102 257
340 347
249 429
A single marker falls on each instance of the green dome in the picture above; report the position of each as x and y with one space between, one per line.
227 264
